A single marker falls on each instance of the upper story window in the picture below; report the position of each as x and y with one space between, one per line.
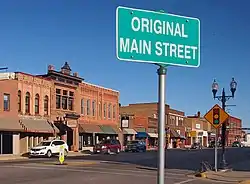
71 100
37 104
100 109
114 111
181 121
65 100
58 98
19 101
46 105
88 107
6 102
27 103
172 120
109 111
104 110
93 107
197 126
82 106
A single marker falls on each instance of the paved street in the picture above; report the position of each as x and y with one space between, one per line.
123 168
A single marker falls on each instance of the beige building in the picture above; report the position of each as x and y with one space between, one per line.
198 130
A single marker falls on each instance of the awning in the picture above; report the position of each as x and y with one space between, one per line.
129 131
10 124
89 128
153 135
141 135
116 129
37 125
63 128
107 129
174 134
140 129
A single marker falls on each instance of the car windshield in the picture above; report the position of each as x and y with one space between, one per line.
44 143
133 142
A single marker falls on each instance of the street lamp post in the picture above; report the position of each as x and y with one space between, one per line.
224 98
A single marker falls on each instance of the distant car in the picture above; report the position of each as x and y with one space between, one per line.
196 146
237 144
108 146
49 148
136 146
212 144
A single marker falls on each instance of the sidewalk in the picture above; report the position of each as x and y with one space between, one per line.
9 157
230 176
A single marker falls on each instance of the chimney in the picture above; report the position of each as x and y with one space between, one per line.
51 67
199 114
76 74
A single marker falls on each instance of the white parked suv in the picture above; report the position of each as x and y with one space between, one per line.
49 148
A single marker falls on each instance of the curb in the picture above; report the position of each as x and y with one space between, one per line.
201 175
71 163
245 182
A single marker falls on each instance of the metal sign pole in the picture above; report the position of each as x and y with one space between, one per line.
161 125
216 152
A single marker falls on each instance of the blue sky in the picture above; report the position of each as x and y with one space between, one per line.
34 34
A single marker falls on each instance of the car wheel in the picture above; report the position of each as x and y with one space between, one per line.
118 151
49 154
65 153
108 152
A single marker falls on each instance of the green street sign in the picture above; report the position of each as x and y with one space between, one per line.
156 37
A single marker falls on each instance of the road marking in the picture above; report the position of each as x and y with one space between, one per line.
87 171
70 163
185 181
132 170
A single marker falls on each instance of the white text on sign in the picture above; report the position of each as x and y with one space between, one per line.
159 47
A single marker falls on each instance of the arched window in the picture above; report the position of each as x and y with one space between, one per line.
109 111
27 103
46 105
82 106
114 111
37 104
19 101
88 107
93 107
104 110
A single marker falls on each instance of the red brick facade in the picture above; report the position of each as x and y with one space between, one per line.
148 113
59 96
234 131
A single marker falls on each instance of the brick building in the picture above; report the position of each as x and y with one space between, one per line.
57 103
198 130
146 121
234 130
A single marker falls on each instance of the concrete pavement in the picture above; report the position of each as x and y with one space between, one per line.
139 167
94 173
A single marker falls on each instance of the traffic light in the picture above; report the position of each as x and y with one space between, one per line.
216 116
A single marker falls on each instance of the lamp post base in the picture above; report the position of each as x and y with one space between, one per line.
223 165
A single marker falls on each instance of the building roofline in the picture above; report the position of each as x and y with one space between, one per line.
94 85
235 117
37 76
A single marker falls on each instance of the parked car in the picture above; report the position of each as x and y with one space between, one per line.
212 144
49 148
108 146
196 145
237 144
136 146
